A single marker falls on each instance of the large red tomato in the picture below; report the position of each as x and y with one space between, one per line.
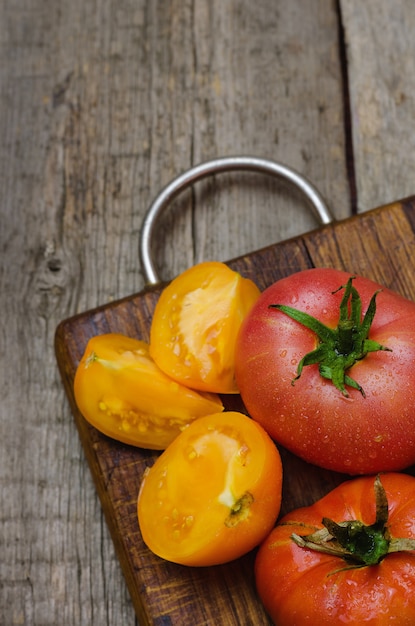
340 394
355 567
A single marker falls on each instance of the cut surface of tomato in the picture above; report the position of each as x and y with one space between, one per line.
195 324
121 391
214 494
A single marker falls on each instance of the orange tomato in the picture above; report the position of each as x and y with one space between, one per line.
121 391
214 494
195 324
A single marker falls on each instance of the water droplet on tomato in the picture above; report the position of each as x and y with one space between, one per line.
410 526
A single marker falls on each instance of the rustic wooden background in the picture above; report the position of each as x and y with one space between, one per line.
102 102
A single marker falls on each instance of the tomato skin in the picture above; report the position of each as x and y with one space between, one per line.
301 587
187 507
195 324
120 390
355 434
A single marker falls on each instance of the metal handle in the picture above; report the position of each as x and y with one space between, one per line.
216 166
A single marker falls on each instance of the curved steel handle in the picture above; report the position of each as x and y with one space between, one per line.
209 168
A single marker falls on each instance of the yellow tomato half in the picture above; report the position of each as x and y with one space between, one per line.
195 324
214 494
121 391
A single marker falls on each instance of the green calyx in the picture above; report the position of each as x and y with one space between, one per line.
355 542
339 348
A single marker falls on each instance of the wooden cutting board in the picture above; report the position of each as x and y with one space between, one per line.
380 245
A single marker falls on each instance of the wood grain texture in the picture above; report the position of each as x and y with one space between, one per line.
381 66
162 592
102 102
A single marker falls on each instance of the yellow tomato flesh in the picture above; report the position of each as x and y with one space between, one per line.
214 494
121 391
195 324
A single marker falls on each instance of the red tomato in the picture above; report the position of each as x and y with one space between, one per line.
306 577
366 423
195 324
213 494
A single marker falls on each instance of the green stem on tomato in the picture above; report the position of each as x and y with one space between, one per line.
339 348
355 542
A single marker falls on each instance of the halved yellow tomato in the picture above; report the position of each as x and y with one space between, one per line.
121 391
195 325
213 494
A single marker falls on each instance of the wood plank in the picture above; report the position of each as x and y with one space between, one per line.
253 69
381 69
376 244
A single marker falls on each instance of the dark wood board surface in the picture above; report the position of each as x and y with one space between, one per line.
380 245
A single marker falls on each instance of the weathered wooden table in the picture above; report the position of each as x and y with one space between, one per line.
102 104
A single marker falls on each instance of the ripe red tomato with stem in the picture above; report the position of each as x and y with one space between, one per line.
325 362
347 559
